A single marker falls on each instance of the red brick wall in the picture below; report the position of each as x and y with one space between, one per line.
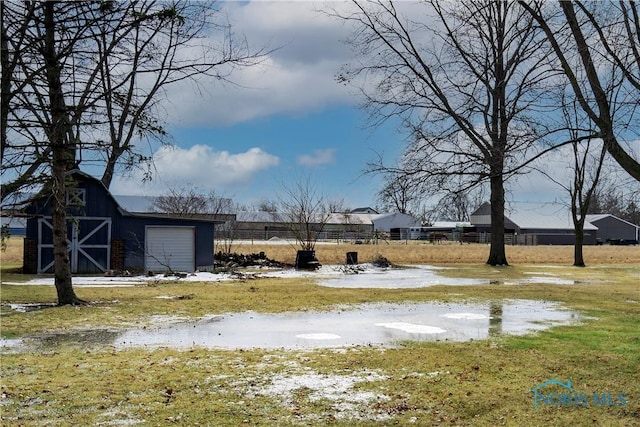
117 254
30 253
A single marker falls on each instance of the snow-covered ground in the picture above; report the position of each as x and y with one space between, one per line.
361 276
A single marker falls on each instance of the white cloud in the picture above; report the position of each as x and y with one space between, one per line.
318 158
199 166
298 77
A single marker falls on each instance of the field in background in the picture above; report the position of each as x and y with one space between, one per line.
408 252
12 256
416 252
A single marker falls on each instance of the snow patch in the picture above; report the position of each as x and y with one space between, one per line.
412 328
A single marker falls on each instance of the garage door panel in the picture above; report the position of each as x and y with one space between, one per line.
170 249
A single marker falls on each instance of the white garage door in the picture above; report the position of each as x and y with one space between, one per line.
170 249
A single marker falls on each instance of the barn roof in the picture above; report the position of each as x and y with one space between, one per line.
597 217
552 217
140 204
136 202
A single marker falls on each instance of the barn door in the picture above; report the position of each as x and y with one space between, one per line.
88 240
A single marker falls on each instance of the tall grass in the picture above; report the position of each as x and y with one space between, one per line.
414 252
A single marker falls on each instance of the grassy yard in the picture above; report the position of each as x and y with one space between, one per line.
484 382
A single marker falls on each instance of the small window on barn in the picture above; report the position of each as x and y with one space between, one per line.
76 196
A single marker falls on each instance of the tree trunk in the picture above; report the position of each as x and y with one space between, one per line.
62 266
497 253
110 167
628 163
578 257
57 134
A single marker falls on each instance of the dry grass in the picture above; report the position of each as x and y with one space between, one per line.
414 252
13 255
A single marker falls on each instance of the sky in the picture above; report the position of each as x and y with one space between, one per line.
283 121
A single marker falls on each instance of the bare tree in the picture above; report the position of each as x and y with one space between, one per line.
583 171
182 202
118 59
304 212
458 205
81 82
399 193
613 195
189 202
587 168
464 77
266 205
585 37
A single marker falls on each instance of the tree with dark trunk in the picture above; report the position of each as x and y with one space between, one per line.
117 59
57 133
466 79
81 83
585 180
583 171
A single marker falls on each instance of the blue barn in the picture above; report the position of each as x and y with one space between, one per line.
103 236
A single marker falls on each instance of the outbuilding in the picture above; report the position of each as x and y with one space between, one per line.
614 229
531 223
104 236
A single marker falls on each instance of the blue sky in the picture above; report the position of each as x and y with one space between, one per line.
285 119
252 160
332 146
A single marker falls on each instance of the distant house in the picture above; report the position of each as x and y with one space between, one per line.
104 236
612 228
385 222
533 224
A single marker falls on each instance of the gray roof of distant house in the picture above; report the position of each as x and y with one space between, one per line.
531 215
597 217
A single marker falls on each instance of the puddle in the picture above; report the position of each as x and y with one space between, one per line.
367 324
27 308
11 344
397 278
549 280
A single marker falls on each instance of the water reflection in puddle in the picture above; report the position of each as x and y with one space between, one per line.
368 324
397 278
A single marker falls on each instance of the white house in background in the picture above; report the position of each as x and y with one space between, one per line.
388 221
535 224
612 228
